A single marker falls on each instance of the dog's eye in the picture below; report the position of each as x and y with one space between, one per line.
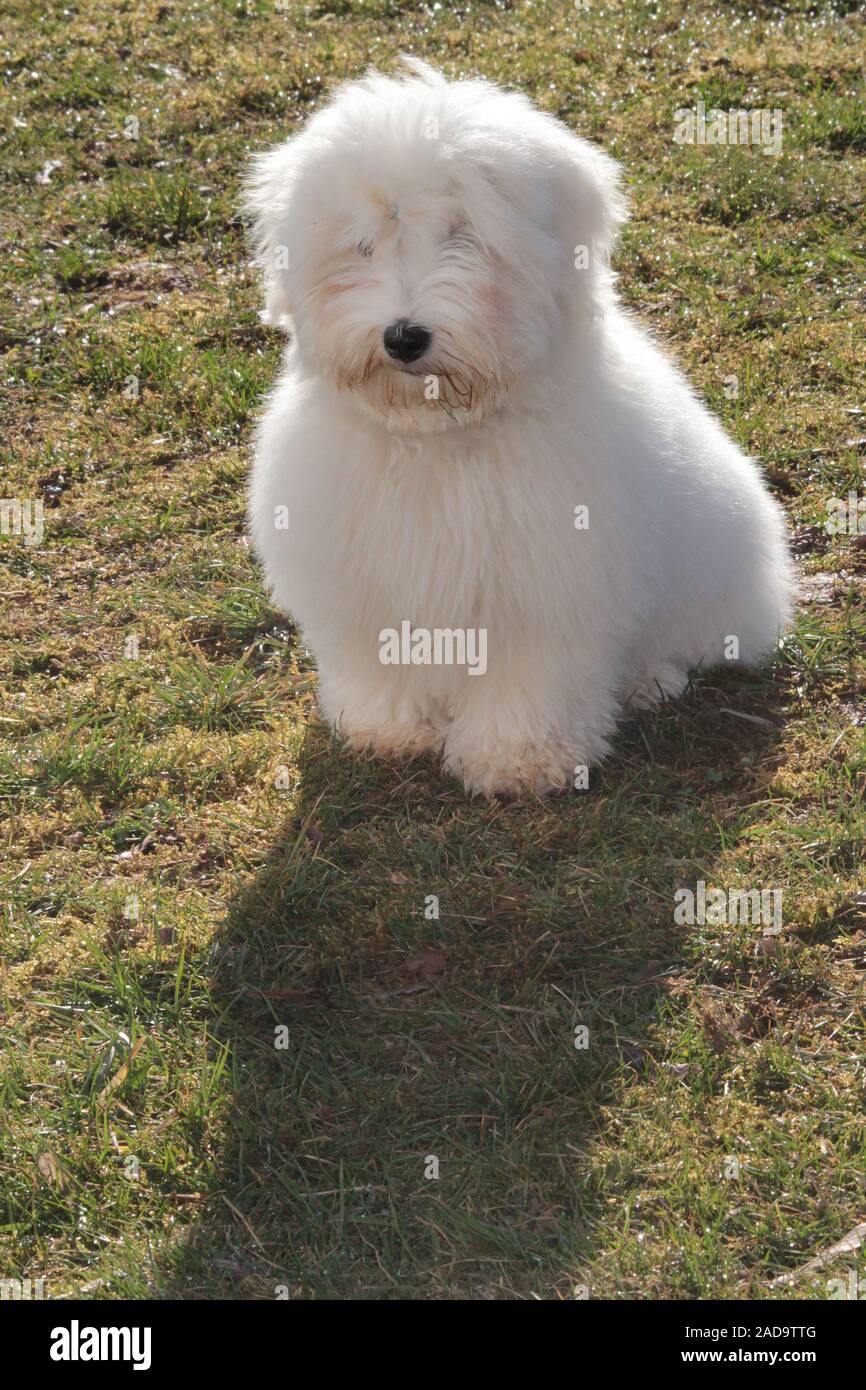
365 248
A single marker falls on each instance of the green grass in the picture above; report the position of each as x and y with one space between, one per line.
191 864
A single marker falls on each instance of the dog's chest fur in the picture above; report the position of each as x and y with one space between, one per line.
444 530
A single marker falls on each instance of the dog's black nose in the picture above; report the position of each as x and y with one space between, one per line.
406 341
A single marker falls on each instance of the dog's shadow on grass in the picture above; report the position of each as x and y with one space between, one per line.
404 985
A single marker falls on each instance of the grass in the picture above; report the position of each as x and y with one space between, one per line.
252 986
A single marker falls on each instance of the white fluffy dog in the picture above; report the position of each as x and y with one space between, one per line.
495 508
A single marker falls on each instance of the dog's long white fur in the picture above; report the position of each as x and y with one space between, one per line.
462 208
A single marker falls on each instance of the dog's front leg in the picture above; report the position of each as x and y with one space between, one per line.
376 711
530 730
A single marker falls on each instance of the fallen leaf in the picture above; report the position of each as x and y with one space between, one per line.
51 1168
425 965
767 946
122 1072
755 1023
719 1034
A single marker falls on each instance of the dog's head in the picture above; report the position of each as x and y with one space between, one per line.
432 245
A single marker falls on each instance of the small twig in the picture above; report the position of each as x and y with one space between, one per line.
846 1246
751 718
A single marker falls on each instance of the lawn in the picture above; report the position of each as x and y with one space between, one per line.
278 1021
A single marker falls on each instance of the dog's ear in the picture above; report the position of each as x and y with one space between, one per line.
590 205
268 197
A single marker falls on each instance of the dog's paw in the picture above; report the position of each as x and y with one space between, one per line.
527 772
393 742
